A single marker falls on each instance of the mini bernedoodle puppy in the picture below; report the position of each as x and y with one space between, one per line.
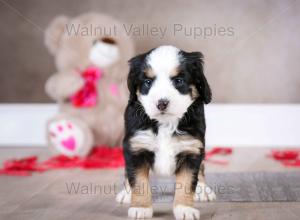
165 129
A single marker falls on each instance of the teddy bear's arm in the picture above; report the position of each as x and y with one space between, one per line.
61 86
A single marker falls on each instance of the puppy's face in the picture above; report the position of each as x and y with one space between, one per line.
166 81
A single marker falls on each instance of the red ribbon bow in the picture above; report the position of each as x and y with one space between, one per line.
87 96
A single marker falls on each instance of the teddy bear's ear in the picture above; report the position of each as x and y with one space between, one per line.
54 32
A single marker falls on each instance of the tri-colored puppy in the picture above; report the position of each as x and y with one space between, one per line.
165 129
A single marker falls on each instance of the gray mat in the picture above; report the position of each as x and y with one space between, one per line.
240 187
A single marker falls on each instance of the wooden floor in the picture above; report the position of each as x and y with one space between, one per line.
50 196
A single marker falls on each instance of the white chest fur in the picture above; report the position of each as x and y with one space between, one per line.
165 146
165 151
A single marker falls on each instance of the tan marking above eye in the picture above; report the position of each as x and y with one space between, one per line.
174 72
149 73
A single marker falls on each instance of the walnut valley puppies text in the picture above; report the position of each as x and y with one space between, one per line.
155 31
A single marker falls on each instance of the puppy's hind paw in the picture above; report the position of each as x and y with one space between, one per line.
124 197
140 212
182 212
204 193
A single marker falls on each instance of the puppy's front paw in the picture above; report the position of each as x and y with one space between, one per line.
204 193
124 197
182 212
140 212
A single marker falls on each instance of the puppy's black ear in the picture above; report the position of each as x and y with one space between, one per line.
195 65
136 65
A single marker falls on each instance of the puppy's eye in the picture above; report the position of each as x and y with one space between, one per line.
178 82
147 83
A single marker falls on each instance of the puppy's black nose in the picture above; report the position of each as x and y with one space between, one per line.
162 104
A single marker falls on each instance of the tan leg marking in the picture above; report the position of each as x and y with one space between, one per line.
183 191
184 201
141 191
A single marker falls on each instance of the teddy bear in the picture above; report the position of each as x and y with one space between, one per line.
91 52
